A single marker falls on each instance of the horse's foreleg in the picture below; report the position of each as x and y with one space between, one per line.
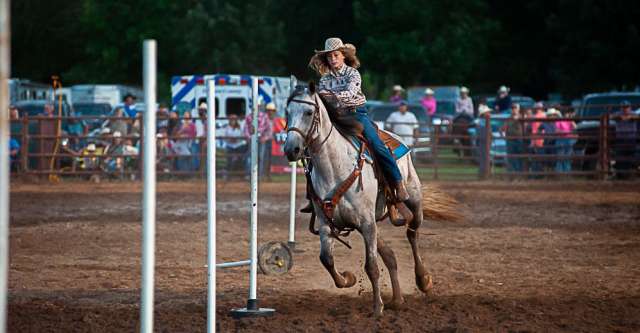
389 259
423 279
368 231
344 280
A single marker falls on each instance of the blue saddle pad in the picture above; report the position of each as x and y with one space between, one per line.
398 153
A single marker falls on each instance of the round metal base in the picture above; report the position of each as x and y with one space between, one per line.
246 313
252 310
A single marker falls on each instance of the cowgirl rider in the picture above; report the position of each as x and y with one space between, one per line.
337 65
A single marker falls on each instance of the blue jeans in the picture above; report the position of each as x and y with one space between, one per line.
564 147
514 163
378 148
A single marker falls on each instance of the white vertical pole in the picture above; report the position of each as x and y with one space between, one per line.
253 255
211 206
292 206
5 69
149 186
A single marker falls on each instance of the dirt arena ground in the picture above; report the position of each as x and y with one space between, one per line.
531 257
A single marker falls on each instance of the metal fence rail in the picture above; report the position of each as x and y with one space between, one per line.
453 151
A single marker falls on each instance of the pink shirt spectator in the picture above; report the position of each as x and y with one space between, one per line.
429 105
564 127
188 130
265 127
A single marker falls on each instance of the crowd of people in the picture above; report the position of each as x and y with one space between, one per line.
531 145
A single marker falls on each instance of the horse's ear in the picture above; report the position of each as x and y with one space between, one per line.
293 84
312 87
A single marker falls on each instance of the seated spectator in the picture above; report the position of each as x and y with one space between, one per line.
396 97
464 104
626 140
136 127
163 116
429 103
403 123
114 160
503 100
564 142
164 152
235 146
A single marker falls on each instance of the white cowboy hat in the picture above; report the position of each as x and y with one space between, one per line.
91 147
397 87
270 106
554 112
334 44
464 89
503 89
428 91
482 109
117 134
202 105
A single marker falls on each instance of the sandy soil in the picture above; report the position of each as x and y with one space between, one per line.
530 257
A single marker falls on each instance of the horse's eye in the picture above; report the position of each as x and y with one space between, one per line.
308 113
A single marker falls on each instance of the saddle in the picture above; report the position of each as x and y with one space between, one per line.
399 214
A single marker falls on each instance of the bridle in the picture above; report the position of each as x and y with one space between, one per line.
308 137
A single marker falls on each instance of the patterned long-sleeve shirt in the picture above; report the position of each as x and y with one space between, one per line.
265 128
345 84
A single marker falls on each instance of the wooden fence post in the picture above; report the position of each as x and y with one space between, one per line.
434 150
24 152
488 134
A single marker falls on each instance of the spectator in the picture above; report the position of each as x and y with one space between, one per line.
130 106
265 135
626 140
235 145
564 142
164 151
537 139
503 100
162 116
119 124
136 127
185 136
199 144
482 104
429 102
396 98
173 125
14 153
47 127
464 104
548 130
403 123
512 131
483 153
114 160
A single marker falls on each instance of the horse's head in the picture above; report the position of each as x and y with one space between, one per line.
303 119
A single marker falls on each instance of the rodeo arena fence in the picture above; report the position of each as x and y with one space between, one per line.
528 148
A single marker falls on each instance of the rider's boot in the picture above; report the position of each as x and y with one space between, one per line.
401 192
308 208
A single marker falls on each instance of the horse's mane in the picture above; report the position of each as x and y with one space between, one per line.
342 118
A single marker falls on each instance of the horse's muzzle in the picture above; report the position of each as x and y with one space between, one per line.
293 147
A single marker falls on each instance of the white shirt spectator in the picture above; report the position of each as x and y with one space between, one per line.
232 133
404 125
464 105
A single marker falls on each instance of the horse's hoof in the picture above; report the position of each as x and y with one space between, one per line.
395 304
349 279
425 283
378 310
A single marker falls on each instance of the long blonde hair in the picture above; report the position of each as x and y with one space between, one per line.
320 64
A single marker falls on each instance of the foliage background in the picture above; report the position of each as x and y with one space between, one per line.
536 47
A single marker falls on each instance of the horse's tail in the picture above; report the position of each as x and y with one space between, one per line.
440 206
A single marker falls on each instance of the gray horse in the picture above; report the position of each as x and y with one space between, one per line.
333 158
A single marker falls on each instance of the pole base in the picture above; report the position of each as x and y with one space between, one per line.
292 247
251 311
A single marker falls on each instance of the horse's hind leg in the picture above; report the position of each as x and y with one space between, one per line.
389 259
368 230
344 280
423 279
